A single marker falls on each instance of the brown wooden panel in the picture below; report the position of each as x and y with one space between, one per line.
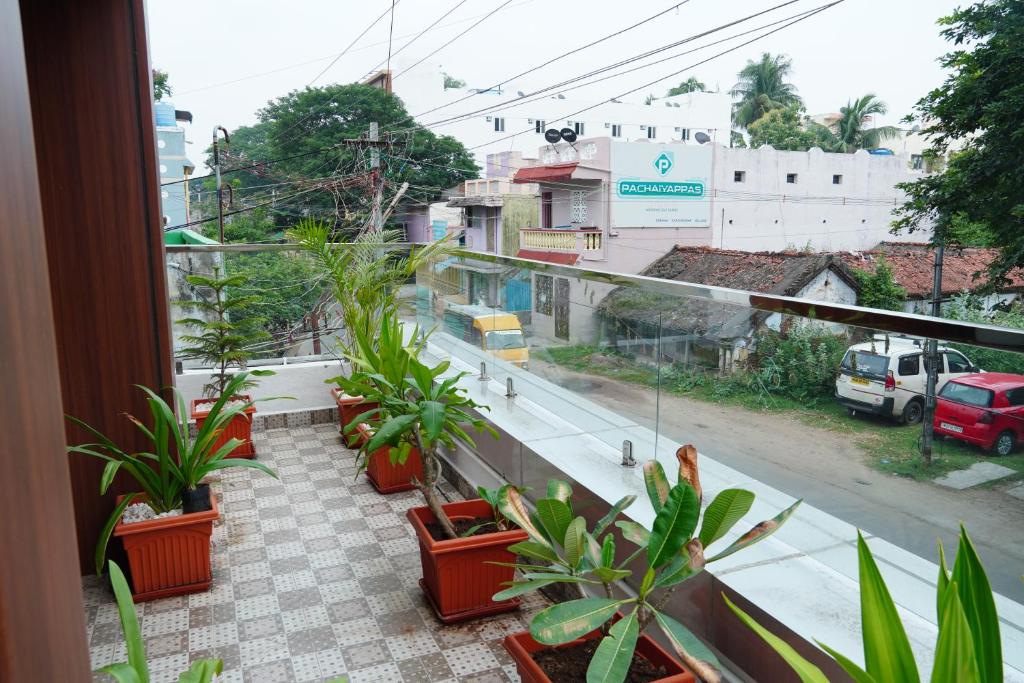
95 145
42 624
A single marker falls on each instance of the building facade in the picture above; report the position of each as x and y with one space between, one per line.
175 166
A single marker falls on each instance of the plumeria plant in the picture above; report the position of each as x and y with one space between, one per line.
561 549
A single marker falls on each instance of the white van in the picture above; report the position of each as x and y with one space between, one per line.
889 377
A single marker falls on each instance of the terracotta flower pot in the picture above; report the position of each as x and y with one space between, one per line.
349 408
240 426
384 476
169 556
457 580
522 645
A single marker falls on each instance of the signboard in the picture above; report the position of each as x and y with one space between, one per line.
660 186
439 228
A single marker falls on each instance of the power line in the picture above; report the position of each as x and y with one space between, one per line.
473 26
354 41
417 37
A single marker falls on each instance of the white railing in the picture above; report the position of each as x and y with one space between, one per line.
587 243
485 186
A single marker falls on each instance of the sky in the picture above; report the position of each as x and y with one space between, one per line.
227 59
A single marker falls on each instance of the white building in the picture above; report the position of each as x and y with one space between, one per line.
493 116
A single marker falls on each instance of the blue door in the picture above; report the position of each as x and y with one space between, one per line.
517 295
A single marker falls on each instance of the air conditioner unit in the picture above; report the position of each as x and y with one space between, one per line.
643 127
529 121
676 129
488 119
607 125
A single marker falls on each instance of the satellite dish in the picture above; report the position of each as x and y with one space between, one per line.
701 137
520 93
568 134
561 96
552 135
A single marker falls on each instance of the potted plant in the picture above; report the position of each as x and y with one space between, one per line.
602 638
968 648
463 545
167 533
226 344
136 669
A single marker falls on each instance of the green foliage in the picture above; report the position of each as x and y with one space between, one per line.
970 308
851 131
968 649
762 87
670 551
222 338
161 85
176 462
976 110
784 128
736 139
691 84
800 362
135 670
452 82
879 289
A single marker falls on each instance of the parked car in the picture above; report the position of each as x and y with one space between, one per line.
986 409
888 378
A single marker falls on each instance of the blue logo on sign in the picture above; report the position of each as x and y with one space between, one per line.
663 163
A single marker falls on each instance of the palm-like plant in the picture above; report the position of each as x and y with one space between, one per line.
851 129
691 84
762 87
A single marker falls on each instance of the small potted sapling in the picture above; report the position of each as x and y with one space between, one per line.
166 526
225 344
602 637
464 545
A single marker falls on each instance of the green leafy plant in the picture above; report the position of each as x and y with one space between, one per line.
176 462
562 550
221 340
135 670
968 649
416 408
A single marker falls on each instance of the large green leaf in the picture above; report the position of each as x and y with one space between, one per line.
758 533
979 608
725 510
941 584
887 653
676 571
657 484
555 516
432 414
202 671
134 644
518 588
615 511
614 653
683 640
568 621
674 525
955 656
100 555
512 507
559 490
390 430
633 532
575 541
122 672
807 672
534 550
848 665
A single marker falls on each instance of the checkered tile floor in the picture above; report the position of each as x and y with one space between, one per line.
315 576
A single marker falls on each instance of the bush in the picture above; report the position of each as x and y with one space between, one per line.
970 308
800 363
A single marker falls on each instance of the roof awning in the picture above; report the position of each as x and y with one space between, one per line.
553 173
562 258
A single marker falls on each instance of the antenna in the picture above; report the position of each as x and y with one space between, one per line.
567 134
552 135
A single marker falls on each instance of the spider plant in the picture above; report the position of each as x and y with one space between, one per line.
176 463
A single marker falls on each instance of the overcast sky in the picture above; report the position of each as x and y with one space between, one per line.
228 58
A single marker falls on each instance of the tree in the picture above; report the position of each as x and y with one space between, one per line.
452 82
978 106
969 307
691 84
762 87
786 129
879 289
305 130
161 85
851 129
649 100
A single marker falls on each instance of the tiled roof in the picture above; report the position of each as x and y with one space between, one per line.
913 267
551 173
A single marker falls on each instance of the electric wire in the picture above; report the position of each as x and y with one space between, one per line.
452 40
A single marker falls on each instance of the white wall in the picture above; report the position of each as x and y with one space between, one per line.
827 287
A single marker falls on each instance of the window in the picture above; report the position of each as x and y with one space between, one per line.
1015 397
546 220
684 134
499 124
957 363
865 364
578 207
652 132
917 161
910 365
538 126
578 127
837 179
962 393
616 130
542 302
791 178
739 176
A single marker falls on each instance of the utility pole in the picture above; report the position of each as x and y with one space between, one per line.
377 220
216 170
932 354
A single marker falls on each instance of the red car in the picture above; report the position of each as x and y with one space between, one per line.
986 409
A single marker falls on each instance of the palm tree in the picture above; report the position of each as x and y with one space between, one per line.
691 84
851 128
762 87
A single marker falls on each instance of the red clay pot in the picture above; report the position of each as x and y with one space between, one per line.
349 408
521 645
384 476
457 580
240 426
169 556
